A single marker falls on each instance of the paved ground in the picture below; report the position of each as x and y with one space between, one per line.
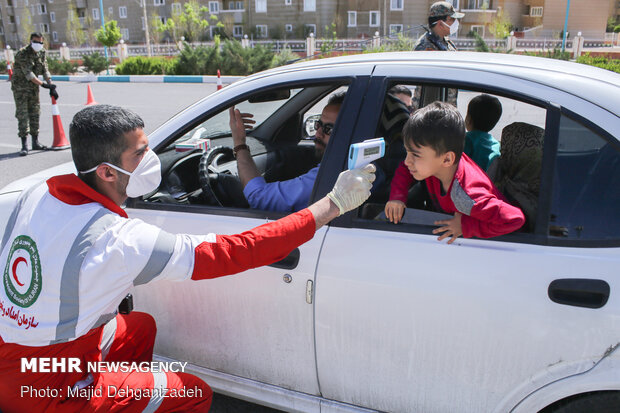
155 103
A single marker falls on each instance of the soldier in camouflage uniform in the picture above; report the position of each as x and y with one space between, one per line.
30 62
442 21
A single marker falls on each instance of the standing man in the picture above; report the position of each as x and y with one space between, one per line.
71 254
30 62
442 22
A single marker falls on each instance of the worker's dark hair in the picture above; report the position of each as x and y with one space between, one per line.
97 135
35 34
400 89
336 99
484 111
438 125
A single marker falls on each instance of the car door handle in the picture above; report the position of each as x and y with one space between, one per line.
289 262
579 292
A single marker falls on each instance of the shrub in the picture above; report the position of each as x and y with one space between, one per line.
3 66
95 63
551 54
617 29
190 60
61 66
286 56
141 65
600 61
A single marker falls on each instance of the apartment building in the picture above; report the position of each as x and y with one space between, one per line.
76 21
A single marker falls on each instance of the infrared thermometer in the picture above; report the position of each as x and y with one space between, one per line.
363 153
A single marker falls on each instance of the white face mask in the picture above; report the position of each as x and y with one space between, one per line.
144 179
454 27
37 47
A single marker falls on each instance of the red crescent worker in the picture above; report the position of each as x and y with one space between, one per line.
84 255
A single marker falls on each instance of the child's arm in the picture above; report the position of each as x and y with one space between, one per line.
402 181
490 217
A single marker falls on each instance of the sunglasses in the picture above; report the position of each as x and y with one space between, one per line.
34 41
327 127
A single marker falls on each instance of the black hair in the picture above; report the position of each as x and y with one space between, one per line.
336 99
35 34
484 111
97 135
433 20
400 89
438 125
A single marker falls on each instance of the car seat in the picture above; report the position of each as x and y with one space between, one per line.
517 173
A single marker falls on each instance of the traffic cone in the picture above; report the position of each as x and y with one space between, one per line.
60 140
90 100
219 80
9 69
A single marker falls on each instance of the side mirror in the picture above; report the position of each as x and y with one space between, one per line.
309 130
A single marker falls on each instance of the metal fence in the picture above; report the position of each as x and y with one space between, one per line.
344 45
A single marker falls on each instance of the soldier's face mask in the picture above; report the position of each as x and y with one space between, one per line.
454 27
144 179
36 46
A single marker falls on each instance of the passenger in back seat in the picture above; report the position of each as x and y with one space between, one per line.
483 113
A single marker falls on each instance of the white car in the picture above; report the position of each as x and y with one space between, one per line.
373 316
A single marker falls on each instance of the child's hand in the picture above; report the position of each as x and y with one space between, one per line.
394 211
450 228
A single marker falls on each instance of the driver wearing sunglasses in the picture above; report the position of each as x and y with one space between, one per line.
282 196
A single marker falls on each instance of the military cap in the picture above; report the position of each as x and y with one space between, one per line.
444 8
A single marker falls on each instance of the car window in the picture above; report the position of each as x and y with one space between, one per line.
586 185
514 166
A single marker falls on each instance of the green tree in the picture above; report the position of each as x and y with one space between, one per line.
329 43
191 23
500 26
75 33
26 26
110 35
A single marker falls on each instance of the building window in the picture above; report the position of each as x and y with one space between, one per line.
396 4
45 28
239 5
455 3
237 31
288 27
374 19
231 5
159 2
143 23
9 3
310 28
214 7
261 30
111 11
162 19
95 14
352 21
176 8
261 6
41 8
125 34
395 29
536 11
122 12
55 36
478 29
11 19
16 20
309 5
32 10
478 4
288 2
53 17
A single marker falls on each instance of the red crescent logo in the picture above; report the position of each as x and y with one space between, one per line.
15 264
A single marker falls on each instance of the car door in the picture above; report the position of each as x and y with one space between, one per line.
406 323
257 324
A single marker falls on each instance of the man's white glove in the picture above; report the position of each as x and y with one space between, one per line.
352 188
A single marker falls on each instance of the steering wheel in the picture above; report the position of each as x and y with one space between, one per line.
220 189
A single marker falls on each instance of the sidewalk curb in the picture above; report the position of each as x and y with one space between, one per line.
140 79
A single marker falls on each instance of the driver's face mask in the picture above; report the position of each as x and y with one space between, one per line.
454 27
144 179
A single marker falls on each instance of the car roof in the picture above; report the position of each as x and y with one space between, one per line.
599 86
